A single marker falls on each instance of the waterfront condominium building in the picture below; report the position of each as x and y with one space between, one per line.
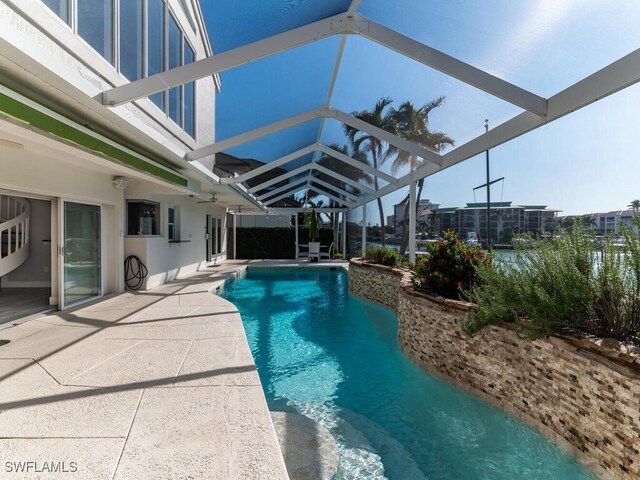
611 223
506 220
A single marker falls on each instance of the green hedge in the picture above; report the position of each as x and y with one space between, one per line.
274 243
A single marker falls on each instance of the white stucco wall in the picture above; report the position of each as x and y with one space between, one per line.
167 261
53 171
45 59
35 39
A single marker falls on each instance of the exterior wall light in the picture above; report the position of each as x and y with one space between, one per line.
120 183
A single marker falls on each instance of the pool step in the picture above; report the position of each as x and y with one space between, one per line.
366 450
309 450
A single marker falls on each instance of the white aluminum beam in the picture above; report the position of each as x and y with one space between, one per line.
353 8
253 135
363 243
334 78
451 66
270 166
612 78
324 113
286 194
281 189
354 163
334 188
345 23
342 178
304 151
342 201
296 223
291 210
344 234
226 60
282 177
307 186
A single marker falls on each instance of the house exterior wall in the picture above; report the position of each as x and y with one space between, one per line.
167 261
46 62
49 48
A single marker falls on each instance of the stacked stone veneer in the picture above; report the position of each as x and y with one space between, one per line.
582 396
375 283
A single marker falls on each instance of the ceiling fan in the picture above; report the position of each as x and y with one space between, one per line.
212 199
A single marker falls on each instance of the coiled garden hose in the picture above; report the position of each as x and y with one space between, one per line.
134 272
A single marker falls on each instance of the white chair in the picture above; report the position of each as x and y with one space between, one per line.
314 250
302 254
327 254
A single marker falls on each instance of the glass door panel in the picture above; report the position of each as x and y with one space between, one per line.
82 272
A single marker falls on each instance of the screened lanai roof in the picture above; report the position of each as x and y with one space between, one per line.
293 71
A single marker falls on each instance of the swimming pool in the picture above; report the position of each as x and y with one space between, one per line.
328 355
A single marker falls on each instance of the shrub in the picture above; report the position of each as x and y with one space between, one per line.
617 297
382 256
449 266
548 284
563 285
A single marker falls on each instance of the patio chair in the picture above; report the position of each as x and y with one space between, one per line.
314 250
302 254
327 254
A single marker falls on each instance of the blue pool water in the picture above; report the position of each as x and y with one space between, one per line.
328 355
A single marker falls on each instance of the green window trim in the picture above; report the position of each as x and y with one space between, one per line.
28 115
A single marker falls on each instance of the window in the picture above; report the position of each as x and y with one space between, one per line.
173 231
175 60
218 234
155 44
189 94
60 7
148 41
95 25
131 39
142 218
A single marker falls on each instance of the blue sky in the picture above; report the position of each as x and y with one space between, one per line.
585 162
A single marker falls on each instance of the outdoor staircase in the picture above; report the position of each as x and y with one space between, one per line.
14 232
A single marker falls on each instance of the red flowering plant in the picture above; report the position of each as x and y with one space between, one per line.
450 266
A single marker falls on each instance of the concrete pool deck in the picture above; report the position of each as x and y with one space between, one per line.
156 384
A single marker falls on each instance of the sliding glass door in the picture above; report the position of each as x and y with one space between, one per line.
214 237
81 253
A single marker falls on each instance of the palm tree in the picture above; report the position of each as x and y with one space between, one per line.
635 206
413 124
363 142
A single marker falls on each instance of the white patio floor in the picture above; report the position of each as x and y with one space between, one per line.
157 384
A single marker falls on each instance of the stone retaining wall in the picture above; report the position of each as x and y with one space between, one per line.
584 397
375 283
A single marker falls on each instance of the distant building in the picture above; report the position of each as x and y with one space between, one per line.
506 220
391 221
612 222
424 210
